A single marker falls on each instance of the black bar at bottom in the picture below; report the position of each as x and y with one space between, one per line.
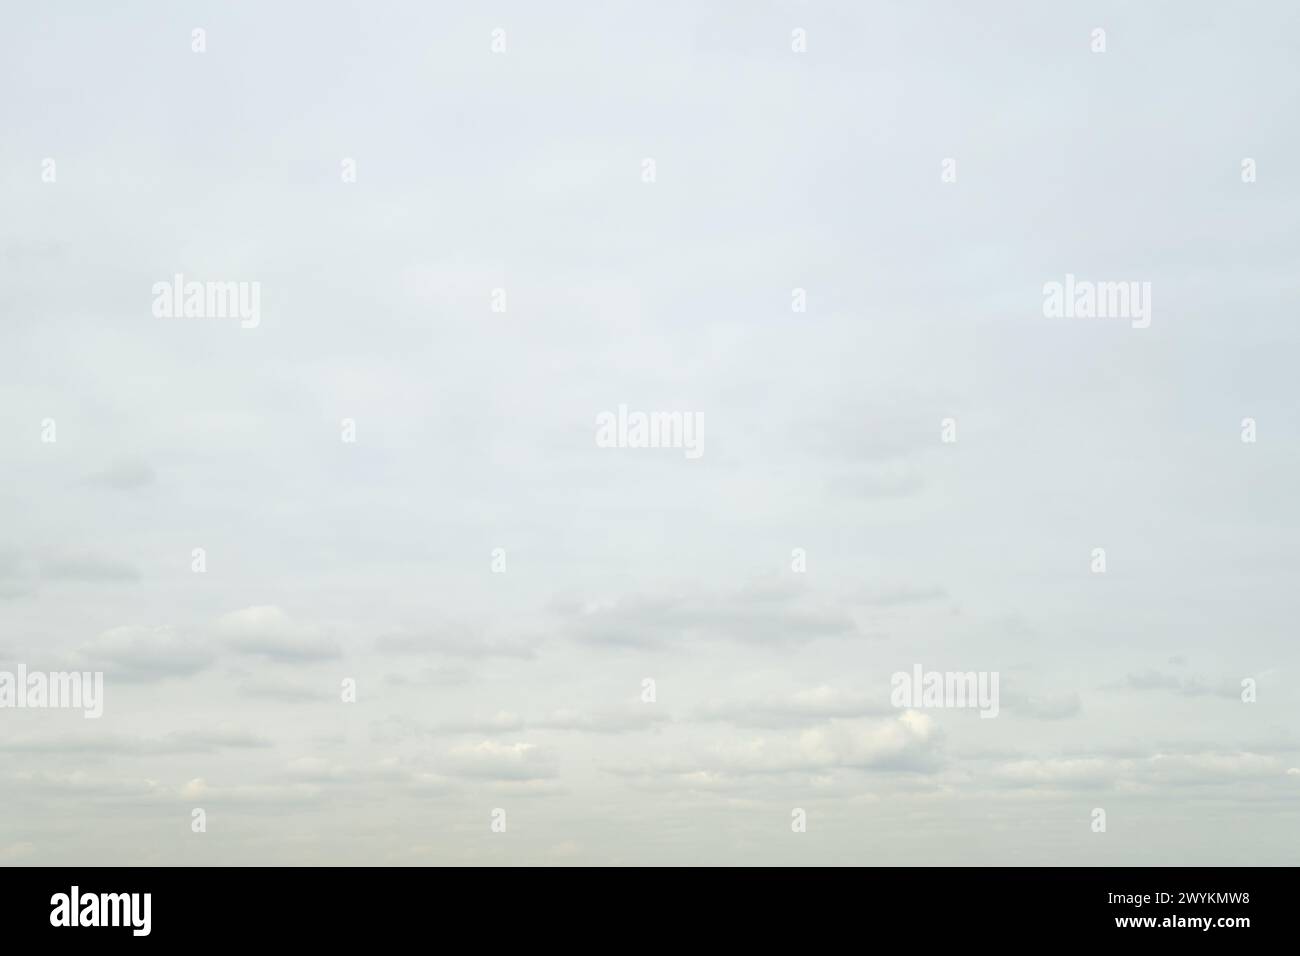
613 908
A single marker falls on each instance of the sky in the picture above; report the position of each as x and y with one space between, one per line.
464 259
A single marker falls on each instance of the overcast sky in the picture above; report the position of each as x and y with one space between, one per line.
774 170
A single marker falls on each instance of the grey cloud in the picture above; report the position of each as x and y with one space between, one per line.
134 653
630 719
286 691
753 615
895 479
128 474
88 568
1042 706
887 431
21 575
901 596
499 723
797 709
472 643
1227 687
456 675
17 575
265 795
317 769
180 742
